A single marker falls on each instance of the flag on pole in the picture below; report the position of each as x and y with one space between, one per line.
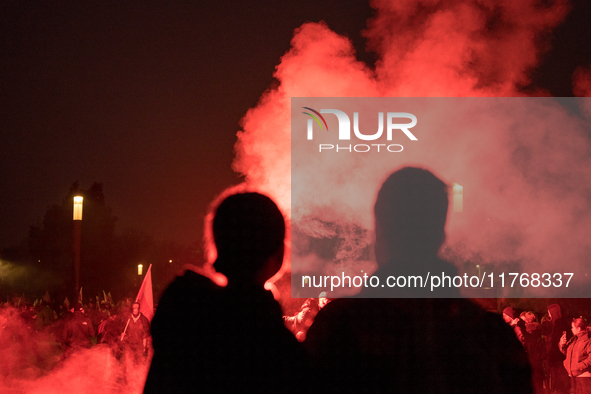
46 297
145 296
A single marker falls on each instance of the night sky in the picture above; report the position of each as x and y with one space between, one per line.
146 98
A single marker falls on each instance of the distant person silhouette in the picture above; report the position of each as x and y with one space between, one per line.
77 332
554 327
231 339
413 345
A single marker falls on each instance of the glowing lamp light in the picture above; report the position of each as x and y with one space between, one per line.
78 207
458 193
140 269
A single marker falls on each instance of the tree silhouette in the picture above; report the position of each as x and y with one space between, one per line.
51 244
108 260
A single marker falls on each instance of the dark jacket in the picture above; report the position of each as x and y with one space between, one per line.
77 332
109 331
578 355
212 339
45 317
520 331
553 330
415 346
137 330
534 344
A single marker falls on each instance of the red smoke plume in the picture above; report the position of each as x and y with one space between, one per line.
526 191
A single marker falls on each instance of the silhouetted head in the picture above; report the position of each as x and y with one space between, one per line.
79 308
248 231
410 214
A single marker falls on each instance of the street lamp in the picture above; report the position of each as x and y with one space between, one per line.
77 236
78 207
140 269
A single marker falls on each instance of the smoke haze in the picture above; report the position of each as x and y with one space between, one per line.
526 182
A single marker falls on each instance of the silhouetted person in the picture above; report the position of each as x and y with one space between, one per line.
518 325
229 339
45 316
418 345
136 334
553 329
77 332
535 347
109 333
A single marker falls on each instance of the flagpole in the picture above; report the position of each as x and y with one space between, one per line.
123 333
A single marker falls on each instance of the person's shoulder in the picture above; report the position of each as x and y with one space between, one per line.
198 278
192 290
480 316
341 307
470 314
191 282
339 313
356 307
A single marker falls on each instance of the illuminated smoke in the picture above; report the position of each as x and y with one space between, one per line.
436 48
526 193
31 363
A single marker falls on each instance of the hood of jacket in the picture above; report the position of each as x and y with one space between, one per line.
556 312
